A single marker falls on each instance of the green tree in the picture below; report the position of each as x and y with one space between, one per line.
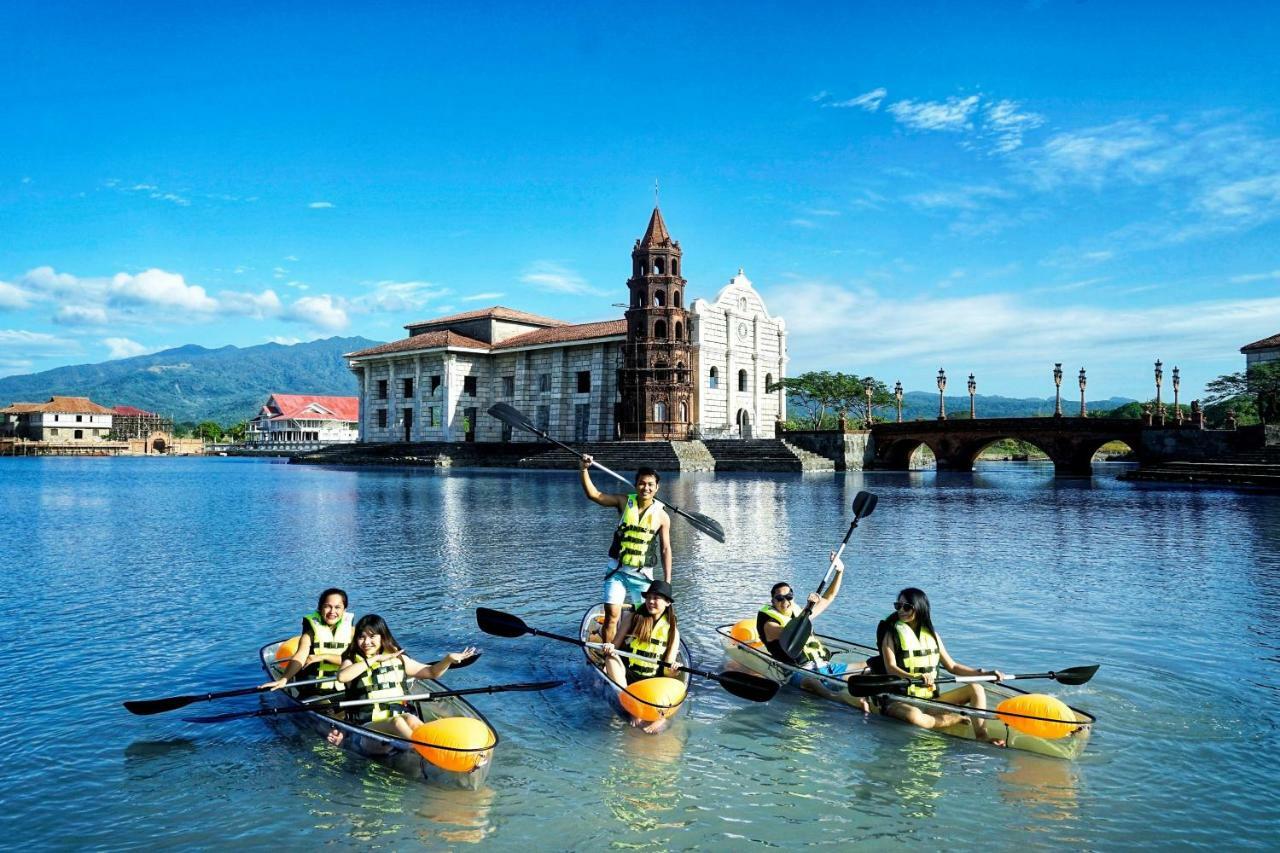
209 431
881 397
1259 382
823 395
236 432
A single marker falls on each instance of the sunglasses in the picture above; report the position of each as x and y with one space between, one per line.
788 597
902 605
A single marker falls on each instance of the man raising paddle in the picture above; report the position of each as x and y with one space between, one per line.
644 531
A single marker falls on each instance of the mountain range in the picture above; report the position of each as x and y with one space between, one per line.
194 383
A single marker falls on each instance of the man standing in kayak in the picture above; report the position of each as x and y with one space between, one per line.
643 535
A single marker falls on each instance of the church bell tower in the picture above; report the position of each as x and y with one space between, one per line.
658 376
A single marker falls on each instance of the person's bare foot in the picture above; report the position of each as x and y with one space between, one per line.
655 727
335 737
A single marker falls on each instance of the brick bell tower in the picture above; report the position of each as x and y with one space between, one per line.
658 375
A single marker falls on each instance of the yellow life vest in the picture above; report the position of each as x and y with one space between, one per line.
636 531
655 648
813 651
383 680
329 641
918 655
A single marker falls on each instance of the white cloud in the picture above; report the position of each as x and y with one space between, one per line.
125 348
155 287
21 341
398 296
290 257
482 297
320 205
259 306
1003 121
81 315
804 223
13 297
321 312
953 115
1274 275
279 272
45 280
958 198
1252 198
554 278
1132 149
283 341
869 101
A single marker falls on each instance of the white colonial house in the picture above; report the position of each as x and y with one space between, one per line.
61 420
742 350
304 422
661 371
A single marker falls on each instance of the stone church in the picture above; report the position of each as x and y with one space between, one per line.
670 370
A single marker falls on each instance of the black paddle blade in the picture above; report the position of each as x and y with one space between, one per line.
500 624
467 661
873 685
511 416
795 634
703 523
864 503
145 707
1074 675
746 686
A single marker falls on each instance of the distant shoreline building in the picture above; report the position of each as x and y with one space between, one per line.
663 372
59 420
1260 352
130 422
304 422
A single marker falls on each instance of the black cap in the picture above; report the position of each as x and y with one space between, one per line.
661 588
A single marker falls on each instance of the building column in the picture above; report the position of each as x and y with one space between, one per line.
596 397
364 404
418 426
558 380
731 375
448 399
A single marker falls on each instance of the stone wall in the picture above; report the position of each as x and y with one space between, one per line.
1190 445
850 451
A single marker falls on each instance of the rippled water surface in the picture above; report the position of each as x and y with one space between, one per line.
138 578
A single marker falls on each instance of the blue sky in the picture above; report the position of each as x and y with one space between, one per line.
989 188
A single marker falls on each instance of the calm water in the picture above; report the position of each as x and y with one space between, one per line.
137 578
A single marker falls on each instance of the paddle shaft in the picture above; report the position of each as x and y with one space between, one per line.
583 645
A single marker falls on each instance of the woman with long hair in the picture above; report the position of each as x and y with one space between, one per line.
326 633
910 647
648 631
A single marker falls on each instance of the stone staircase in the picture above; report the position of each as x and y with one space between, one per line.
622 456
764 454
1259 467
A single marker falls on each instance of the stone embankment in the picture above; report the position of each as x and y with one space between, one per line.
1259 468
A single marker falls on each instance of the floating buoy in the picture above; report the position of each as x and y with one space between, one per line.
1046 708
454 743
287 649
745 632
653 698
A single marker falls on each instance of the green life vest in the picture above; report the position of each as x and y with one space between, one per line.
813 652
918 655
655 648
383 680
329 641
636 532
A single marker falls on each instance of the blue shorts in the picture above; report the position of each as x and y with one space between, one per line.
621 587
836 670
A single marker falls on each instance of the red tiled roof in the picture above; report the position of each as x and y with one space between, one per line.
132 411
428 340
313 407
566 334
656 234
496 312
60 405
1266 343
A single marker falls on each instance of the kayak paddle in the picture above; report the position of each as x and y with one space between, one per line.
740 684
874 684
797 632
513 417
146 707
352 703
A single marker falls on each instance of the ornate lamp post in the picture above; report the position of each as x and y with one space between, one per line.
1177 413
867 389
1084 413
942 386
897 394
1057 383
973 389
1159 380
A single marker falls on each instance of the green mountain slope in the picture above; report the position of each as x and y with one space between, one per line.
193 383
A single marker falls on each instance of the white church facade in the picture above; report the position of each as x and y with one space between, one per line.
662 372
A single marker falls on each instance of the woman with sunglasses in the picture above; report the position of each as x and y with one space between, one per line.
911 648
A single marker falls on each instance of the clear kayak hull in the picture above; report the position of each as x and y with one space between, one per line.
391 750
753 657
588 632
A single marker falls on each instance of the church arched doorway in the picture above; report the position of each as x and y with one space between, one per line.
744 423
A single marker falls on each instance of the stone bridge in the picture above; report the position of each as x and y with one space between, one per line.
1069 442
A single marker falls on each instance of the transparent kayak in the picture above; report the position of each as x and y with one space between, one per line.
636 705
753 657
447 765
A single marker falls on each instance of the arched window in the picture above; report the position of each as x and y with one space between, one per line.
659 411
675 299
659 298
680 371
675 267
713 379
636 299
660 372
768 381
742 380
639 268
660 330
684 412
679 331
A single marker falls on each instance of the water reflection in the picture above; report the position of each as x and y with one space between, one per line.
455 816
641 786
1045 784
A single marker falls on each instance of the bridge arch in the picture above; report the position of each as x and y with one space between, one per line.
974 449
897 455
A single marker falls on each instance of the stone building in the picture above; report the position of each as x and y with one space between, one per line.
61 420
1267 349
637 378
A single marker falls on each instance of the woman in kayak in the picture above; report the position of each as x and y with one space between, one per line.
375 666
649 631
911 648
326 634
